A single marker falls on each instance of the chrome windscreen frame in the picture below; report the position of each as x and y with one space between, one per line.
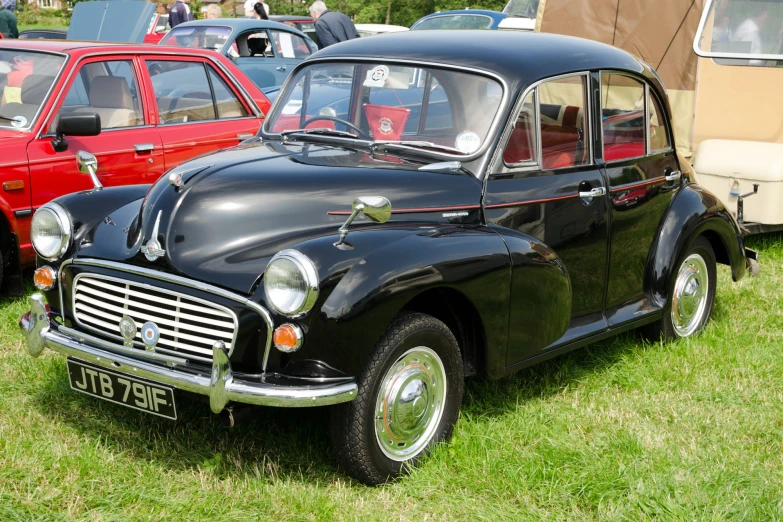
180 281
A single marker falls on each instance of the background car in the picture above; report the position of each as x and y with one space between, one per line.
373 29
301 23
376 243
473 19
265 51
150 121
42 34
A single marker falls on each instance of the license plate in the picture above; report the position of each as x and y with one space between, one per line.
122 389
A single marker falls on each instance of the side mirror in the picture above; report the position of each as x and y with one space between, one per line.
377 209
88 164
75 125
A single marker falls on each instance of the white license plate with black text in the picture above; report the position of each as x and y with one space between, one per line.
122 389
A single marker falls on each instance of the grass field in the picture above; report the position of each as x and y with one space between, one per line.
622 430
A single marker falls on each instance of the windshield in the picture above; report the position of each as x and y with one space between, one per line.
436 110
202 37
742 32
455 21
25 80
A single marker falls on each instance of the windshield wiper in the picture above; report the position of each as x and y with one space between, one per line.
320 130
15 119
380 145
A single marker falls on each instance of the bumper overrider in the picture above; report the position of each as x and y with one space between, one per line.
220 386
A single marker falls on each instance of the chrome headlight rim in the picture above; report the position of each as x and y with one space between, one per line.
66 229
309 273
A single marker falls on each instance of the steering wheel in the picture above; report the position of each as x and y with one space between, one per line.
362 134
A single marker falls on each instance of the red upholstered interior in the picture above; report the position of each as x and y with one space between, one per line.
286 122
559 143
624 135
618 151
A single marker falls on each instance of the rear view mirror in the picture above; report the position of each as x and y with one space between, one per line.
75 125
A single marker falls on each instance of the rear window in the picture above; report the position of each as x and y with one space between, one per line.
459 21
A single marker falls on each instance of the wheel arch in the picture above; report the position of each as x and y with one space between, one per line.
460 315
694 212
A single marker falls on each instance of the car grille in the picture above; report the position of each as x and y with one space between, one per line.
188 326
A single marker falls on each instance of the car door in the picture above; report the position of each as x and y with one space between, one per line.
547 186
128 149
259 60
643 175
197 108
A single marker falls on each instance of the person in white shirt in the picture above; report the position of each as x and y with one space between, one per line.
249 8
750 31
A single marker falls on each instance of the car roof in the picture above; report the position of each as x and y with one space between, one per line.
518 57
75 47
240 24
291 18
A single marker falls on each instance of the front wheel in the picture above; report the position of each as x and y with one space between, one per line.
691 293
410 392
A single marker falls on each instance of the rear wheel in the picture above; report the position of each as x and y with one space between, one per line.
691 294
410 391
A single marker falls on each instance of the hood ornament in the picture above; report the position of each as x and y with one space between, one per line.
153 249
377 208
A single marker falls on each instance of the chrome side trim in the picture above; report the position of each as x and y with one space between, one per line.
220 385
182 281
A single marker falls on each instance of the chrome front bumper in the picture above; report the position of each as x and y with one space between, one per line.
220 385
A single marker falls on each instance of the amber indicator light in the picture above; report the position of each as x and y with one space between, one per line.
287 338
13 185
44 278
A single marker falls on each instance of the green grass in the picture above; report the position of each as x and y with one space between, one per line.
622 430
43 26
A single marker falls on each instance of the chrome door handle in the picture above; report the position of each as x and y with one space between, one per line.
144 147
593 193
281 68
243 137
674 175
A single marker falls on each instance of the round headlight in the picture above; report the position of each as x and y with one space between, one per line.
291 283
50 231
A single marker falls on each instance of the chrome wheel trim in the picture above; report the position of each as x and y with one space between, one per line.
410 403
689 299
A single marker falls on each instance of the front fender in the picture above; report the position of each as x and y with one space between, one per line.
365 296
694 212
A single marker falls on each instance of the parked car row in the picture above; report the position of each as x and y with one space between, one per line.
412 211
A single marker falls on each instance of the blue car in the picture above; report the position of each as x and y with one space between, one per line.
265 51
474 19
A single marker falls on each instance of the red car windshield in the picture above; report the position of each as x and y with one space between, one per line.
201 37
26 77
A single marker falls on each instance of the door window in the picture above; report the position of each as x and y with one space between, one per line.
107 88
289 45
659 131
555 114
622 116
228 105
254 44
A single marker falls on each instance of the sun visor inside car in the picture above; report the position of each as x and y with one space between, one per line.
111 21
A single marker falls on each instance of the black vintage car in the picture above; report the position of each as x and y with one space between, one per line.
413 211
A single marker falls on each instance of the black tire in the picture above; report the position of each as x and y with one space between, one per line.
353 424
665 327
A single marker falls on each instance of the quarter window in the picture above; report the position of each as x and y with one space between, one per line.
184 93
659 134
290 45
108 89
622 116
254 44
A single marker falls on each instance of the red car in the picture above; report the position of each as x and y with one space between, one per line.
157 107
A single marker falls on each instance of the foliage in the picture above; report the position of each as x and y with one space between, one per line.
621 430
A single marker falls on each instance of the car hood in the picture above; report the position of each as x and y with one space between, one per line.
237 208
111 21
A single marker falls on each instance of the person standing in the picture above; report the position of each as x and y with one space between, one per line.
259 11
250 11
8 23
331 27
214 12
750 31
179 13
